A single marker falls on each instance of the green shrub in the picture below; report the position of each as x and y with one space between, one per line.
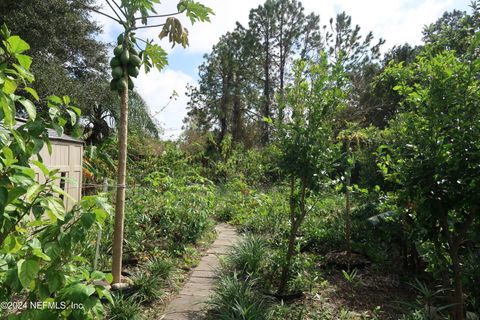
42 245
124 309
148 287
161 268
236 298
168 212
248 256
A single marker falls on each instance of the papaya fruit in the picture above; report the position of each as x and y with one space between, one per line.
133 71
115 62
122 85
113 84
135 60
117 72
120 39
130 84
118 51
133 52
125 57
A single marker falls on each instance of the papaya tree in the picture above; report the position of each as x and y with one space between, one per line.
305 141
133 15
434 153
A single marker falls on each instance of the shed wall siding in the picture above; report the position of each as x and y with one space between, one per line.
67 157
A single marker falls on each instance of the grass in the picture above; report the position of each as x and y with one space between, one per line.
124 309
248 256
236 298
161 268
148 287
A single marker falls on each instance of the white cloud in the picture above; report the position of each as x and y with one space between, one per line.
156 89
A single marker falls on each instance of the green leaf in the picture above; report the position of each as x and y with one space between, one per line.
195 11
11 244
109 277
55 280
66 100
3 196
27 272
97 275
39 253
29 107
267 120
8 156
17 45
9 86
8 114
58 129
54 207
77 292
18 139
42 167
29 172
21 180
33 92
73 117
33 191
55 100
25 61
15 193
156 55
77 111
62 192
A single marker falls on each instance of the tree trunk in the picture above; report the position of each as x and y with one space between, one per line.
457 280
453 244
296 221
266 93
288 258
223 109
237 121
347 218
121 179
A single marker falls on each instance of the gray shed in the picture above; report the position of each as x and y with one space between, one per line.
67 156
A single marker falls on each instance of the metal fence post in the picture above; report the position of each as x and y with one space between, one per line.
99 234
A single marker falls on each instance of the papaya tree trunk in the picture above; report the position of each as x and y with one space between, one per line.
121 180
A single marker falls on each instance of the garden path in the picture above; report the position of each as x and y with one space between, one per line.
191 301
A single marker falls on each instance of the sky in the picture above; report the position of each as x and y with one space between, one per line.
396 21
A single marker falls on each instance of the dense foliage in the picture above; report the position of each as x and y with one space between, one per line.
41 244
353 177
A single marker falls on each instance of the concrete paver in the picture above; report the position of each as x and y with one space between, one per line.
190 303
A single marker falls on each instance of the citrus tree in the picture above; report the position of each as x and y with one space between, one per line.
42 273
133 15
305 141
434 154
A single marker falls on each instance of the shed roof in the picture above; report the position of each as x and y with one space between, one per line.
52 134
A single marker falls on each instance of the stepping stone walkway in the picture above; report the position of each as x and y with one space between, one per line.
191 302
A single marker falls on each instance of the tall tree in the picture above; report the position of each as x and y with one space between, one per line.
223 100
255 63
357 55
67 59
455 30
263 28
126 64
434 153
306 151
